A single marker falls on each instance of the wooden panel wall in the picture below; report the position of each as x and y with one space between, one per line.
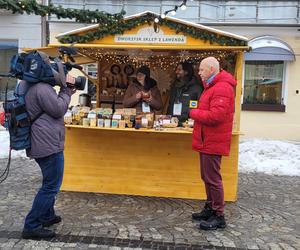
139 163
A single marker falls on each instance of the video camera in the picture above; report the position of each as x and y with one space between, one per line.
37 67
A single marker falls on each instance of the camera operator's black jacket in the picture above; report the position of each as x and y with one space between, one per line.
184 90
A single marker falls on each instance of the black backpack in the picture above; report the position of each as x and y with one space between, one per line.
17 122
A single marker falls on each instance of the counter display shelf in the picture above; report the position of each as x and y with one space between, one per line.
140 162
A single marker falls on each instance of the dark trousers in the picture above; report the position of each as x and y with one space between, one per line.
210 173
42 209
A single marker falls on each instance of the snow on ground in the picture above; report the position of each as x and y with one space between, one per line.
4 147
269 156
256 155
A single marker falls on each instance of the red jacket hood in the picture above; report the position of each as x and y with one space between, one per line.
222 76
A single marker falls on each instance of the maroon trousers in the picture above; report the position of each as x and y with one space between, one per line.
210 173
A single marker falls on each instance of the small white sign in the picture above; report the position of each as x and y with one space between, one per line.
147 35
92 115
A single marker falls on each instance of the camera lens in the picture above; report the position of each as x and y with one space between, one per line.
80 82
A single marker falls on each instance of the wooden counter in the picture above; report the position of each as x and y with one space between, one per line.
140 162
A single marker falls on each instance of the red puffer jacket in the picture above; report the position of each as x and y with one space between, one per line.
2 118
214 116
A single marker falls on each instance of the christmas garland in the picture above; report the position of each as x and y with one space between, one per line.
111 24
82 16
121 26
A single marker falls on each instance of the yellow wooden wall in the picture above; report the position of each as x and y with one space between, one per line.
139 163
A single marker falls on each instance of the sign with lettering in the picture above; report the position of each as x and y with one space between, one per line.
147 35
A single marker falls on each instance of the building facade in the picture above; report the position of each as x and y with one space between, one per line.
271 82
16 33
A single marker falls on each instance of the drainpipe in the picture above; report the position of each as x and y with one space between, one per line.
44 28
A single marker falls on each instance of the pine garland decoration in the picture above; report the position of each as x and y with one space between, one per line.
121 26
82 16
111 24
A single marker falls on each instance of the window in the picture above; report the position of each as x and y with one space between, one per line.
265 67
92 71
263 86
6 53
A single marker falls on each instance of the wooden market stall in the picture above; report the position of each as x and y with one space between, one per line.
145 161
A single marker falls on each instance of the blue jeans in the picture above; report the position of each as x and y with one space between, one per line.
42 209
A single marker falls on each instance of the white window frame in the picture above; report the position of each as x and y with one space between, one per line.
284 87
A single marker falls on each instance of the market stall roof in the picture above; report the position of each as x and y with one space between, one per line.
199 38
203 37
177 20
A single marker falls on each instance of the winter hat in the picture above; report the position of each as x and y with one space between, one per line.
144 70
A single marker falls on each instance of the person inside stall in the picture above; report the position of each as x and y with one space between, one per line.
143 93
185 92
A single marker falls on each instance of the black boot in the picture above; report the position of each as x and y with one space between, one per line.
206 213
38 234
49 223
214 222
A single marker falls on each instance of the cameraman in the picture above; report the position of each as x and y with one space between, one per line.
46 108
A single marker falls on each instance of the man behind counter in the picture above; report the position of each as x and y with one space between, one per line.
184 89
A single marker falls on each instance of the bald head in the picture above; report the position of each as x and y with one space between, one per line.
208 67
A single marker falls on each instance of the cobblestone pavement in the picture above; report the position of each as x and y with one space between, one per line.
266 216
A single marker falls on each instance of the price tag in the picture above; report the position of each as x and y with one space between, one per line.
144 122
166 121
92 116
117 117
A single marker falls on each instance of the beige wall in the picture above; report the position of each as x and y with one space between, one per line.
26 29
276 125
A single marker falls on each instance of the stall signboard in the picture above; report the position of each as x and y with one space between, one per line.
148 35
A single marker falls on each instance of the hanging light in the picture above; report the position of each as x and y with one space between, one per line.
183 6
173 12
163 16
156 20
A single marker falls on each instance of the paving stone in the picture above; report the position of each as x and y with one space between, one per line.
265 216
285 246
273 246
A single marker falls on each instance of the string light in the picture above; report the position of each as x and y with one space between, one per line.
153 59
156 20
174 10
183 5
163 16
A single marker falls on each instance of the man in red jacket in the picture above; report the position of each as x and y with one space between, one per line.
212 137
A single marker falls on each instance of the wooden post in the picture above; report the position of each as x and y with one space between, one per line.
99 85
239 77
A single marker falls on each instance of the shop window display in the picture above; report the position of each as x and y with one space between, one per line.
263 83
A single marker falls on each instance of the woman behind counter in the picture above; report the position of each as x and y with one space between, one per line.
143 93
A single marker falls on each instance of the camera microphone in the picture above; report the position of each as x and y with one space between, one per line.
70 66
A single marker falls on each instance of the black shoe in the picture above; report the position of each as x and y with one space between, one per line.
38 234
205 214
49 223
214 222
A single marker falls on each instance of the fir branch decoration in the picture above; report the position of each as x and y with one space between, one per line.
82 16
121 26
109 24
